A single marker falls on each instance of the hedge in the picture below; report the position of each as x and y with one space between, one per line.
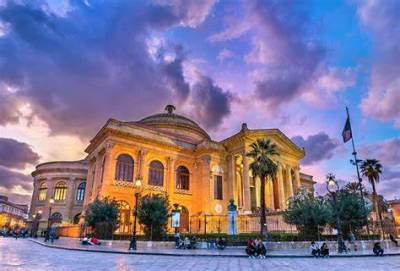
241 239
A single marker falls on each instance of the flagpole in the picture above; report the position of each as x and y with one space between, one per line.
356 164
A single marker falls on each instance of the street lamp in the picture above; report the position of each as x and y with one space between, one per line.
47 237
355 162
138 185
333 187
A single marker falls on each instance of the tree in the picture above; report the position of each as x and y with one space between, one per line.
308 213
372 169
102 215
353 216
354 188
153 212
262 151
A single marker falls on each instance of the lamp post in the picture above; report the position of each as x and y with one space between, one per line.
355 162
138 184
333 187
47 237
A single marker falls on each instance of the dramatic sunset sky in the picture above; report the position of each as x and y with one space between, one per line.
68 66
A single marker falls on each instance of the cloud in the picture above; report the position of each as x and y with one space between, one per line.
318 147
9 105
174 75
77 70
287 62
213 103
387 151
15 154
11 179
224 54
381 20
280 45
191 13
322 89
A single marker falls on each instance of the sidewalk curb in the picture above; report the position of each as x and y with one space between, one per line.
202 255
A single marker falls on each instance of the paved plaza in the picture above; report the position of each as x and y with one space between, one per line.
26 255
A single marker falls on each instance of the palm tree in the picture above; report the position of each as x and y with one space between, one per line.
354 188
262 151
372 168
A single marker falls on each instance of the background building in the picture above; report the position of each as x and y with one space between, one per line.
394 208
65 182
12 215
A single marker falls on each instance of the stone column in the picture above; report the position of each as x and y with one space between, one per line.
107 176
139 171
289 182
257 184
70 200
34 198
205 183
170 178
232 178
281 189
270 189
297 177
246 184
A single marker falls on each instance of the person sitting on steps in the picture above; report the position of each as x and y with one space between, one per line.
324 250
261 251
250 249
315 251
378 250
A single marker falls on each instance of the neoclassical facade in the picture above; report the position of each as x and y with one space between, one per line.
65 183
171 153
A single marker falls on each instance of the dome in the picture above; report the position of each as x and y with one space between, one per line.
176 124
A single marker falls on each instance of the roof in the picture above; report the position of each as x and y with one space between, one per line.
171 120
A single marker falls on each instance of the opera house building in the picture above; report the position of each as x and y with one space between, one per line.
169 153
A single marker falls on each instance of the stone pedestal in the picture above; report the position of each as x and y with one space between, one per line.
232 222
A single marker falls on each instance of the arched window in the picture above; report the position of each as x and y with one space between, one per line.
182 178
124 168
56 218
43 192
124 216
80 192
60 192
156 173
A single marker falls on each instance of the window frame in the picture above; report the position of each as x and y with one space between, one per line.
218 183
156 174
80 192
40 191
182 178
60 192
124 170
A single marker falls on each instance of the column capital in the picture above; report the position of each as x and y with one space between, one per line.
109 145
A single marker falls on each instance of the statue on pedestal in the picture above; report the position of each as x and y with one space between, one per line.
232 215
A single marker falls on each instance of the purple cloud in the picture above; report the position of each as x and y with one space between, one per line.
387 151
213 103
381 20
10 179
286 61
15 154
93 63
318 147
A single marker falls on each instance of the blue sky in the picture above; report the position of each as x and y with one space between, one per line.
293 65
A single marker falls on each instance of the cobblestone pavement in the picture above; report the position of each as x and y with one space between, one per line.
25 255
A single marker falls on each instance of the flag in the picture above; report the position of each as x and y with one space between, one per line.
346 133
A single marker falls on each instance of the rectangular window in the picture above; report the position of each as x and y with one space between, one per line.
218 187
